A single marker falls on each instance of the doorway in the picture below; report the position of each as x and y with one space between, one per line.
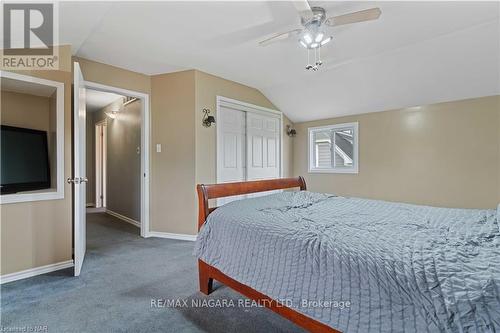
113 163
138 148
110 168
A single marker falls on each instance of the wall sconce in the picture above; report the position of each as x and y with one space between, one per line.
290 131
112 114
115 109
207 120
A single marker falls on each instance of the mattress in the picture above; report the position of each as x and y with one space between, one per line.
362 265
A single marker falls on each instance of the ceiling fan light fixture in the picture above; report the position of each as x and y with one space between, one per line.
303 44
319 37
307 39
314 45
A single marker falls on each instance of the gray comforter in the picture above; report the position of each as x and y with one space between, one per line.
363 265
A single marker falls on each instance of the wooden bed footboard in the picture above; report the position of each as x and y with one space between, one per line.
208 273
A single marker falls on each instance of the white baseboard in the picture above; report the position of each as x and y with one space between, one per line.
124 218
35 271
90 204
93 210
185 237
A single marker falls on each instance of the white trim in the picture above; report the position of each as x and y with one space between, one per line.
243 106
35 271
49 194
124 218
145 144
168 235
354 169
101 136
246 107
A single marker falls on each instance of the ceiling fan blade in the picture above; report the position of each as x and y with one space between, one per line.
279 37
361 16
303 8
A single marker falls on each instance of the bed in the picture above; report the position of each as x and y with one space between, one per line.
331 263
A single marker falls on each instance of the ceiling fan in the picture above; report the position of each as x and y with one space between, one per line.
312 34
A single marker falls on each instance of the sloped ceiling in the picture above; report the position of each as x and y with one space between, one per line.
416 53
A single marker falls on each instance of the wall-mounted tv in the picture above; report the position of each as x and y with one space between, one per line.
24 160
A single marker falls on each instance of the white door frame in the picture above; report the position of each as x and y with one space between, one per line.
145 144
100 163
247 107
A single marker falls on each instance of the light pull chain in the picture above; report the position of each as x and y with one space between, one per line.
315 67
317 59
319 62
308 66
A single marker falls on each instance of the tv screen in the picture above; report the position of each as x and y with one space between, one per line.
24 160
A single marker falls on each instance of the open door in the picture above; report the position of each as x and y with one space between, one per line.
80 180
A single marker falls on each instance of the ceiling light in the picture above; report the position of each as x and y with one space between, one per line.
319 41
112 114
312 40
326 40
307 38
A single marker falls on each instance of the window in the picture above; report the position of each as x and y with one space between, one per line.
334 148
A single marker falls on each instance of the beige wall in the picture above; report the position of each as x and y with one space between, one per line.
208 87
97 72
25 110
173 206
442 155
39 233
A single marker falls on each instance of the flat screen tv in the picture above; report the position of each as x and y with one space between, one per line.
24 160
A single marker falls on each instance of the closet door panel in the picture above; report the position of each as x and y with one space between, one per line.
263 152
231 147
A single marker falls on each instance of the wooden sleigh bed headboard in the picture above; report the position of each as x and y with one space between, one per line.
214 191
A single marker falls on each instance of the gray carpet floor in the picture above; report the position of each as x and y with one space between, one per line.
121 275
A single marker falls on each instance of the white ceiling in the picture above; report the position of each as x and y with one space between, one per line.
416 53
95 100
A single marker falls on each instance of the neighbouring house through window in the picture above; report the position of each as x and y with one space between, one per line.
334 148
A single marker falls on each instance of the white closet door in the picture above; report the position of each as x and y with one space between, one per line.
263 146
231 144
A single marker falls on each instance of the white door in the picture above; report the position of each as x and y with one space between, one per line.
230 148
263 146
80 179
